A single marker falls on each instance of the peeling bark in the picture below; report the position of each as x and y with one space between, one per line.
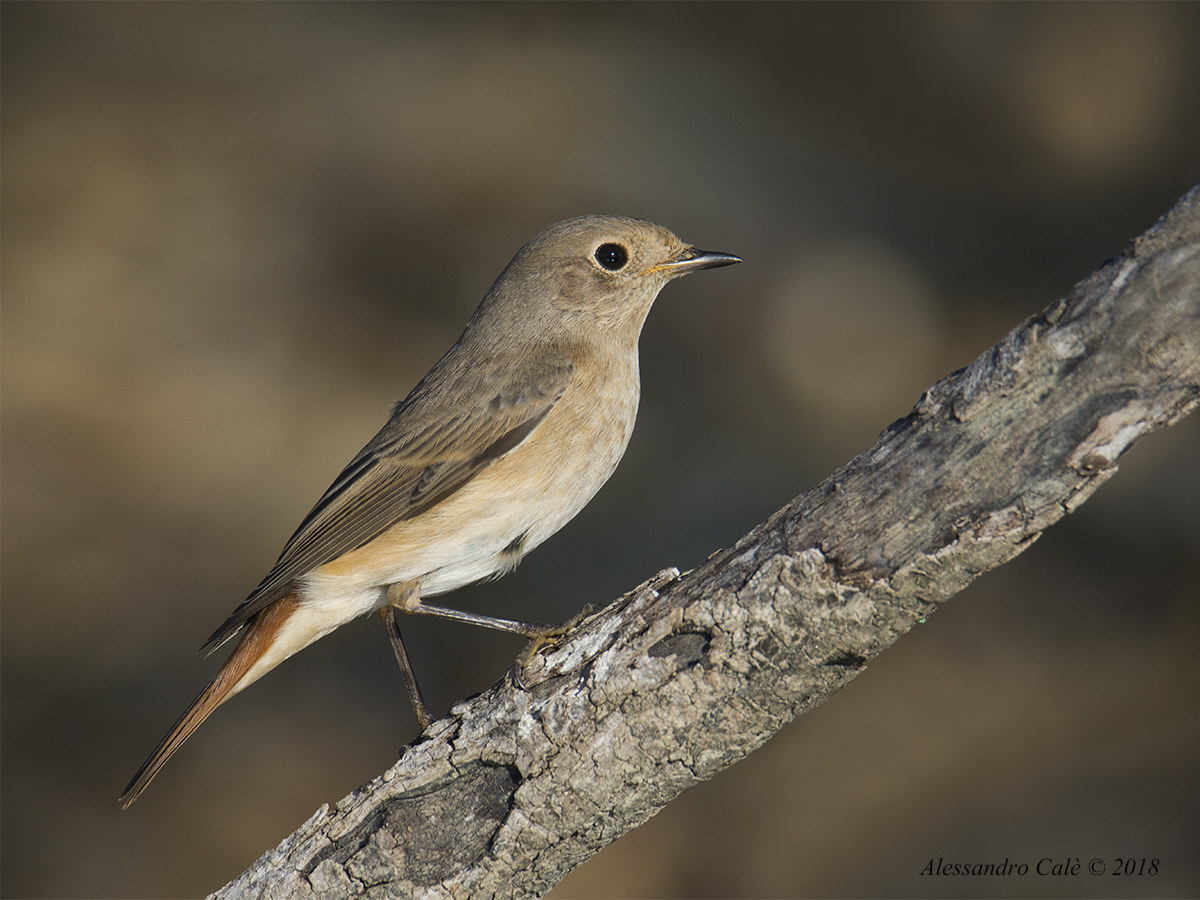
587 738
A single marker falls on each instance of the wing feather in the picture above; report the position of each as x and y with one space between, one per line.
451 427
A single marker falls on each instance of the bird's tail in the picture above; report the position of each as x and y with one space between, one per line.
257 638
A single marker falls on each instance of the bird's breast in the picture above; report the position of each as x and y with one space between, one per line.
565 461
510 507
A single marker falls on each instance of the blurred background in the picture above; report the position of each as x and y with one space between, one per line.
233 235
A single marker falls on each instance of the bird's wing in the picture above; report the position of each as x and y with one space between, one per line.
452 426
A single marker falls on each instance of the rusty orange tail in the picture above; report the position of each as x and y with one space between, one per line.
256 639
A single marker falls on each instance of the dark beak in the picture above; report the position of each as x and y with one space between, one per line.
693 260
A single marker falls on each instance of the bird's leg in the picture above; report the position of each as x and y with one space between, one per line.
531 630
406 597
391 618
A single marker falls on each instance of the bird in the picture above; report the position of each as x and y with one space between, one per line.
499 445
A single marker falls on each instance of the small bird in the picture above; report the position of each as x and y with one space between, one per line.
506 438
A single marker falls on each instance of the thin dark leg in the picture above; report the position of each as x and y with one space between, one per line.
530 630
391 618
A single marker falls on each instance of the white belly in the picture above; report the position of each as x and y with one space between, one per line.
523 497
526 496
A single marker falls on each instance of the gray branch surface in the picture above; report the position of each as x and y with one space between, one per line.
688 673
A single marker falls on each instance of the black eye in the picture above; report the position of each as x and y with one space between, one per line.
612 256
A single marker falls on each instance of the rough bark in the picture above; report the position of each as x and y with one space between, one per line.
688 673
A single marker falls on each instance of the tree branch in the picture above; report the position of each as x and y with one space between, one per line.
688 673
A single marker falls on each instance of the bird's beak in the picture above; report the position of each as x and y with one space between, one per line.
692 260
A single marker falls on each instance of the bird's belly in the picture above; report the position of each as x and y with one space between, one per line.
483 528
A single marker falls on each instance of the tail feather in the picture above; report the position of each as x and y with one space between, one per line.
256 640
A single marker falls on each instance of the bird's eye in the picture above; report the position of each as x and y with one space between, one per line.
612 256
